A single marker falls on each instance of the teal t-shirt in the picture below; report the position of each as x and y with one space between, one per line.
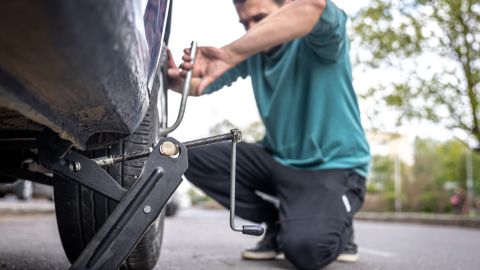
306 99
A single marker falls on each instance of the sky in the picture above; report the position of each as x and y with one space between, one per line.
215 23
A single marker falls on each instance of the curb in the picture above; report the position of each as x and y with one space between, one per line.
26 208
422 218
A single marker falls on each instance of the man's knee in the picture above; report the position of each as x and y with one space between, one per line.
203 164
309 251
194 167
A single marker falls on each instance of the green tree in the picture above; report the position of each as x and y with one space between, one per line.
436 164
381 174
426 192
381 182
401 35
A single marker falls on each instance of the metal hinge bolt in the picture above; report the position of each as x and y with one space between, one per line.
168 148
75 166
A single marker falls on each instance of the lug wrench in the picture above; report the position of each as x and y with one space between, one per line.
111 160
185 92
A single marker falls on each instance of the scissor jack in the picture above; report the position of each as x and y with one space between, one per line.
138 207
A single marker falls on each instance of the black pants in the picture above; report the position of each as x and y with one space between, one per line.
316 207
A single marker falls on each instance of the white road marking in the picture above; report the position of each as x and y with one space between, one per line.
376 252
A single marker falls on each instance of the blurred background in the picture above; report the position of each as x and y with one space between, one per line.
416 72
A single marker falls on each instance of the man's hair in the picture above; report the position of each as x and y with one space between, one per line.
278 2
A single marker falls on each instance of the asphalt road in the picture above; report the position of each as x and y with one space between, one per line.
201 239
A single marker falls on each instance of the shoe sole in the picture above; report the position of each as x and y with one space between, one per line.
266 255
347 258
280 256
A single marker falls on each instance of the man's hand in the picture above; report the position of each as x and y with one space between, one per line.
210 63
175 80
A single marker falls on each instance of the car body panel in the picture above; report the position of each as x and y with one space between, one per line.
77 67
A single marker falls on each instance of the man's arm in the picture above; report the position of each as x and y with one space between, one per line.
229 77
175 79
293 20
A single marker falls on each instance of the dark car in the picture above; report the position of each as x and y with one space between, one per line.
87 75
26 190
23 189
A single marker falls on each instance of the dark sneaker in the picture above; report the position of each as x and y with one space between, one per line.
349 253
267 249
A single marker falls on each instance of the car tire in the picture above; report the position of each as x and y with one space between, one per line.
81 212
171 208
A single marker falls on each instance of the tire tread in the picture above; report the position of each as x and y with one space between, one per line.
81 212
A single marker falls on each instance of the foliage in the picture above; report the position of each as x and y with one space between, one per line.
197 197
443 36
381 174
437 164
381 180
428 201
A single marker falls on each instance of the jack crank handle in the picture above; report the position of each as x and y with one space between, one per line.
250 229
